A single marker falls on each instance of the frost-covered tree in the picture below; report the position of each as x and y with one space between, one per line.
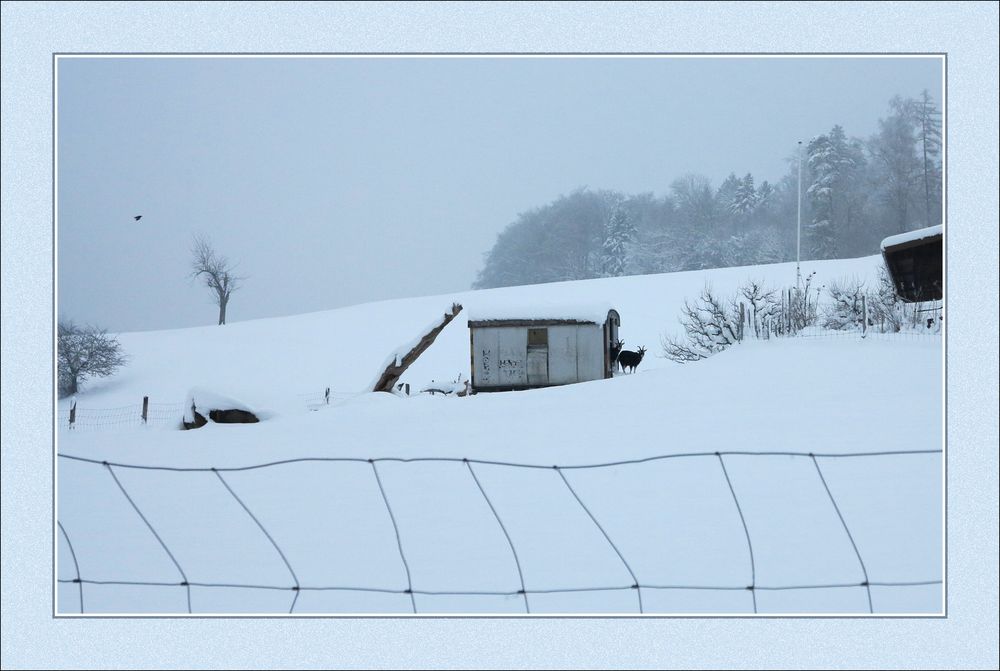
928 129
216 272
85 352
657 247
727 190
834 164
822 161
855 194
699 228
846 307
763 245
742 205
552 243
765 192
618 236
710 326
745 198
893 149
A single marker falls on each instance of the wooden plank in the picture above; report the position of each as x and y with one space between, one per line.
390 376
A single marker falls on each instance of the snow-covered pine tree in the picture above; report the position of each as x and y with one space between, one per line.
835 165
745 199
619 233
742 205
764 194
824 164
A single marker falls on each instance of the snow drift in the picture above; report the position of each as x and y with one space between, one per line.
783 476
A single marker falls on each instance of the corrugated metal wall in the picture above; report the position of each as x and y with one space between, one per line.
501 357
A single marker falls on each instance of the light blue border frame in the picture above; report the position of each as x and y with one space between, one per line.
33 31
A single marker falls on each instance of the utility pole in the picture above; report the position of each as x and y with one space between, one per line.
798 228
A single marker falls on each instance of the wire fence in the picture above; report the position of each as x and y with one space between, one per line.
849 316
156 414
872 333
637 585
166 415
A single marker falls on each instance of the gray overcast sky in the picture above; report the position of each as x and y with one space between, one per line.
335 181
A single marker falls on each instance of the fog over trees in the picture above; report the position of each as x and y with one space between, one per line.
855 192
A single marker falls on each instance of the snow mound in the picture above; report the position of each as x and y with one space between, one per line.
205 400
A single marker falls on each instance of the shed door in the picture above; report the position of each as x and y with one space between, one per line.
512 354
485 355
538 356
562 354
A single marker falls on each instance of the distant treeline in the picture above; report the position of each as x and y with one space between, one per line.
855 192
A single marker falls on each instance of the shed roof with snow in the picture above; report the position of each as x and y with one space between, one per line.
542 346
915 261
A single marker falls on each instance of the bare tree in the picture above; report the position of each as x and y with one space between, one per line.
710 326
216 272
85 352
846 308
763 304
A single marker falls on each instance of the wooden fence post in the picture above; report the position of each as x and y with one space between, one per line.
72 415
326 396
864 316
145 408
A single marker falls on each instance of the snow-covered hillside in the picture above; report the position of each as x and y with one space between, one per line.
419 529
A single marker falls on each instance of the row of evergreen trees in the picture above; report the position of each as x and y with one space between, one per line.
854 193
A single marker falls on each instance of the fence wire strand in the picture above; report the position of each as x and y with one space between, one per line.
864 571
399 541
153 531
269 537
635 581
76 564
521 591
753 567
517 562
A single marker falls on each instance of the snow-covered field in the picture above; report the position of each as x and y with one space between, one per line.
419 529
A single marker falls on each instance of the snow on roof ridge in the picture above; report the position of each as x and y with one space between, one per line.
596 312
910 236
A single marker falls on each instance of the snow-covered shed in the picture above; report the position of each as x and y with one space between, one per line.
518 348
915 261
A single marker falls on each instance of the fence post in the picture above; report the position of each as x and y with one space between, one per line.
145 408
407 388
864 316
72 415
788 313
326 396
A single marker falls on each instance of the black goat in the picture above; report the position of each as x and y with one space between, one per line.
615 350
629 359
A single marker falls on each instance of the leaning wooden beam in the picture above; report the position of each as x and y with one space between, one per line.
397 364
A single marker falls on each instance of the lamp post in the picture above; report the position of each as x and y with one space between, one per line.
798 227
